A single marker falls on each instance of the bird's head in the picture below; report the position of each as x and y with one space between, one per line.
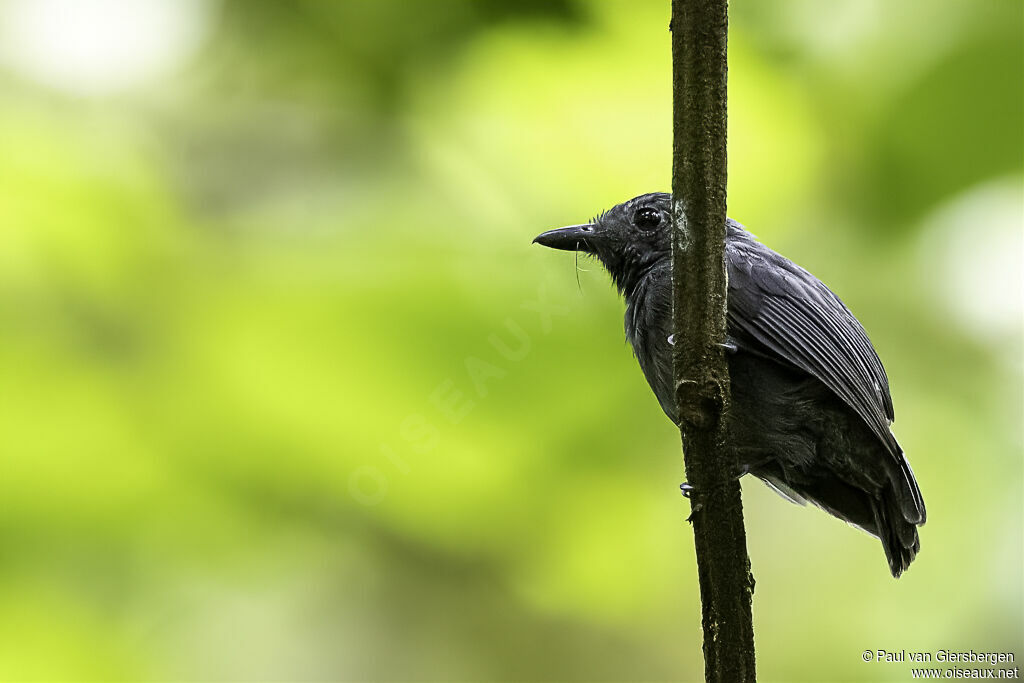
629 239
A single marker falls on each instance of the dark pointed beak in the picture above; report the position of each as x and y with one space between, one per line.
569 238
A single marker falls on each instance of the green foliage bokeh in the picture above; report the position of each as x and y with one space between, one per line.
288 395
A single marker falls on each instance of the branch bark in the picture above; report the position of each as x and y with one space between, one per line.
699 70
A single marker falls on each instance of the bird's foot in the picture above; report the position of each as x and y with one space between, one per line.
687 488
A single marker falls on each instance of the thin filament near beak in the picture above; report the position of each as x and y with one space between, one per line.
578 269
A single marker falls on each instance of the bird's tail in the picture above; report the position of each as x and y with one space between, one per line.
899 536
898 511
891 512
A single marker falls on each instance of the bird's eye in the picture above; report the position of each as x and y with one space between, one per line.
647 219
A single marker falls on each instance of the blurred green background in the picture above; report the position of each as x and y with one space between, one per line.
288 394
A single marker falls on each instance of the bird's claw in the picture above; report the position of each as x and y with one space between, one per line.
687 488
696 508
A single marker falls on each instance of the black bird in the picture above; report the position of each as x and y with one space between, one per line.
810 409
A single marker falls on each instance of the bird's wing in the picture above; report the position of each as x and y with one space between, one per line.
800 321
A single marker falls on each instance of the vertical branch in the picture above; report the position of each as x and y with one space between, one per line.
699 38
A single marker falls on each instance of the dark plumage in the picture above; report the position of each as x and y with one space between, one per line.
810 408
